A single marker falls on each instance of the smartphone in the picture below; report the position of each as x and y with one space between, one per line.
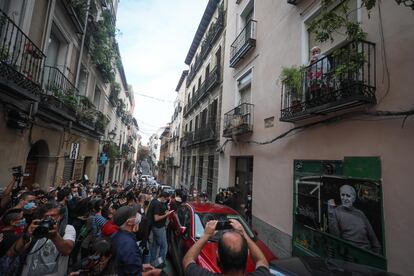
223 225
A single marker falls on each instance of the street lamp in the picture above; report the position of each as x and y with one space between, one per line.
112 135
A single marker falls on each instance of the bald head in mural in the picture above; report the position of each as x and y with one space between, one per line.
350 223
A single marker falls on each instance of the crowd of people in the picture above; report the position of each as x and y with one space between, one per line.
78 228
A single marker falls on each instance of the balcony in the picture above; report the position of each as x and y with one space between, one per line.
187 139
60 95
243 43
238 121
21 61
339 81
211 37
77 13
87 113
211 81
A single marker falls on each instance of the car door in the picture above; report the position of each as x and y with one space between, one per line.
183 239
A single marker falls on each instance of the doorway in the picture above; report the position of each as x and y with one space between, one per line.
244 186
37 165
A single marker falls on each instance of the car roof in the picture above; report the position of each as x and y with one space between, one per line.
202 207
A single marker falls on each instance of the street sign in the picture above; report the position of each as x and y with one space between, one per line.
74 151
103 159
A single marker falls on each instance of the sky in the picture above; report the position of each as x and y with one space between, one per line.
155 36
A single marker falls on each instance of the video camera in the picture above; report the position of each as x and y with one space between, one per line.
45 225
18 172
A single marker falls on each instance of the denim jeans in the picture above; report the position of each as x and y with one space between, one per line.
159 240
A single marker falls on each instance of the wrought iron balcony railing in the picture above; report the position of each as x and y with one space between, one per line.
341 80
59 91
21 61
243 43
238 120
77 12
211 37
211 81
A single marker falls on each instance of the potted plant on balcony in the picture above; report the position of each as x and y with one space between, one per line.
291 78
349 62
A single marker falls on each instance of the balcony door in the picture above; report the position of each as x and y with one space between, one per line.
244 88
244 184
14 9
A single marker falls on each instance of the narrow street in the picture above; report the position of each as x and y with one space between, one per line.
206 136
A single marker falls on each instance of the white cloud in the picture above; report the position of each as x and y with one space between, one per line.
154 41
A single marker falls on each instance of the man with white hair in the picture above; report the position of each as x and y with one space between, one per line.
127 252
351 224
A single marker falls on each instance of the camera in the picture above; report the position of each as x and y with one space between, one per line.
18 172
42 230
223 225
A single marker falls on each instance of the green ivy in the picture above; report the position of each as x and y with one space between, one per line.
331 21
104 53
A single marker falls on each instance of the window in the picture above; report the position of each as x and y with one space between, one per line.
247 14
203 122
210 175
83 81
244 87
200 173
97 98
207 71
339 36
196 123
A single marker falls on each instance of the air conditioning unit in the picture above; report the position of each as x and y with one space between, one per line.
293 2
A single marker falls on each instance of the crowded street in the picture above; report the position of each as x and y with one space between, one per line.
206 137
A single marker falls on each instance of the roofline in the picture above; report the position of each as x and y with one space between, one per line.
202 27
180 82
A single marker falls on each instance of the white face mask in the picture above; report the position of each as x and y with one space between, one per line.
138 218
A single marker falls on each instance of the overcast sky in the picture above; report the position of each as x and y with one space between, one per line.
154 41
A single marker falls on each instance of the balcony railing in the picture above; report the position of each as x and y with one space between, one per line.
59 91
211 37
245 41
238 120
211 81
213 78
341 80
21 61
77 12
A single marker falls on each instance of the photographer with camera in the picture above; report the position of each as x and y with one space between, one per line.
53 241
233 250
14 240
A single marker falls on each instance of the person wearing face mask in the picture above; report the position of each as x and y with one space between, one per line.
27 202
126 251
350 223
159 232
49 252
13 241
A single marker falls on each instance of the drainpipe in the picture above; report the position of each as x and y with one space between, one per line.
82 44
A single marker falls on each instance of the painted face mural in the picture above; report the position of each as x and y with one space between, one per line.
348 196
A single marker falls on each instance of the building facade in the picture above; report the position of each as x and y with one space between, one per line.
55 91
202 102
299 148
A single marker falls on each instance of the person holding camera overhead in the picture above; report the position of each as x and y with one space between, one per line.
51 242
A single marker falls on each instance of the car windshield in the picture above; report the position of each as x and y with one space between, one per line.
200 220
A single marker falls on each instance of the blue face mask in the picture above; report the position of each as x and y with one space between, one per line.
21 223
29 205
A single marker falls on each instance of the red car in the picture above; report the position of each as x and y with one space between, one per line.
186 226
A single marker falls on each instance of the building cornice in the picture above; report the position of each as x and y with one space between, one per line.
202 27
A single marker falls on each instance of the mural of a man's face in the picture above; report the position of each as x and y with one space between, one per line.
348 195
